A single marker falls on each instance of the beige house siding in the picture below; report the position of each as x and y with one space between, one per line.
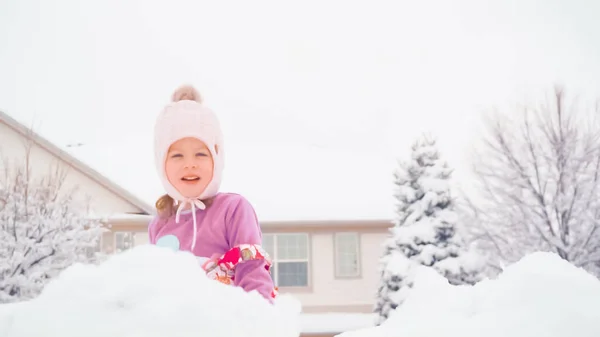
134 225
103 197
329 293
326 291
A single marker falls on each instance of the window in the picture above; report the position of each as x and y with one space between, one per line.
289 252
124 241
347 255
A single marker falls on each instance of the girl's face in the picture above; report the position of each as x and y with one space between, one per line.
189 166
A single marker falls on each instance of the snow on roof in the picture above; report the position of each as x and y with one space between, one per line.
283 182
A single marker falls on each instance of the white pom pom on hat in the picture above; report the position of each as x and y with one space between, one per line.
186 116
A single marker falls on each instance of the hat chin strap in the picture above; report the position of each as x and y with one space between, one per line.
193 203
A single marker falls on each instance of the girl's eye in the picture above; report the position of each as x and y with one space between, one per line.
176 155
201 154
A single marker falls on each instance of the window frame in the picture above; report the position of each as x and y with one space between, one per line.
275 259
130 233
336 256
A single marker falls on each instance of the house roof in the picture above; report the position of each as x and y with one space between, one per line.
143 220
75 163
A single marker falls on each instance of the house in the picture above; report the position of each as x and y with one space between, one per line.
329 265
18 143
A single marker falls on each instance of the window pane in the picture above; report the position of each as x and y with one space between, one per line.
292 274
268 244
292 247
347 263
348 266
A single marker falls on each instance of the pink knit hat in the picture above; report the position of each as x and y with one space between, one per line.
186 116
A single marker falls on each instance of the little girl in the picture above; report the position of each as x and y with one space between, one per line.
221 229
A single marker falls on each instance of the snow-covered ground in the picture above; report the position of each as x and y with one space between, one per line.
334 322
540 295
152 292
147 292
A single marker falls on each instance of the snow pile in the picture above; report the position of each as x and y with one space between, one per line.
335 322
540 295
147 292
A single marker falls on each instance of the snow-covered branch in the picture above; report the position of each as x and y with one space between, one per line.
43 230
538 179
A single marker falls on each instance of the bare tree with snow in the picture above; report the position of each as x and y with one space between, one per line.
538 183
425 231
43 229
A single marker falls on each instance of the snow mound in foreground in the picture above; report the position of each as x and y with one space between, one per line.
147 292
540 295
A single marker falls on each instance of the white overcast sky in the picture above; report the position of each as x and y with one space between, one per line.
342 86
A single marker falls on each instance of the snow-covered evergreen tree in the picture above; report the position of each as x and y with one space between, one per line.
425 229
43 230
392 277
395 281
